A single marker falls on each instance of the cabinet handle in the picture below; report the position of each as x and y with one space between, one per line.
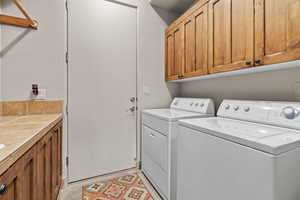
258 61
248 62
3 189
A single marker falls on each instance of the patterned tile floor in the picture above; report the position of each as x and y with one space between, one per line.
128 187
74 191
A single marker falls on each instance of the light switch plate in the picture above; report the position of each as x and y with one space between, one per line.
147 90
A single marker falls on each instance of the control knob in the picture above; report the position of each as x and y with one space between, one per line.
236 108
247 109
289 112
227 107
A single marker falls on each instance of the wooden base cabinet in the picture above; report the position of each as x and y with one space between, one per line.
19 182
36 175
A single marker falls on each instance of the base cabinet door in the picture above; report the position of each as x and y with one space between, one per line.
277 31
44 169
49 165
10 184
231 35
20 181
28 176
56 160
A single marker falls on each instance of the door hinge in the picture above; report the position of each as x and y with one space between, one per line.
67 161
138 163
67 57
67 8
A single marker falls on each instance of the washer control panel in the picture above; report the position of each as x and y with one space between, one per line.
285 114
194 105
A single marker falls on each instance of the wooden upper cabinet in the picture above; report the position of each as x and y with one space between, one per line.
174 54
277 31
224 35
196 44
169 56
231 35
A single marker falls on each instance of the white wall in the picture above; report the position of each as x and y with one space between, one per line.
30 56
155 92
273 85
0 58
38 56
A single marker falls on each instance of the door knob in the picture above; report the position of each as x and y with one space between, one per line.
132 109
132 99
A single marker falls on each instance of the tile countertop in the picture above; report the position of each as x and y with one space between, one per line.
20 133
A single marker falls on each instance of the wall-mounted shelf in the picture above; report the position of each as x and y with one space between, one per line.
27 22
251 70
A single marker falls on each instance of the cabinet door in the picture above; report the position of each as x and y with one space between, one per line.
44 168
196 43
20 181
231 35
170 71
174 54
277 31
57 159
10 184
27 175
60 150
54 155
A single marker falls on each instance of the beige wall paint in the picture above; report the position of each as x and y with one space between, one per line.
154 91
0 58
38 56
30 56
273 85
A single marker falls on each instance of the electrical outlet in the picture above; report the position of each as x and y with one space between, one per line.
41 96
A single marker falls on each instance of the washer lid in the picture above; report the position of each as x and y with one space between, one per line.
173 114
270 139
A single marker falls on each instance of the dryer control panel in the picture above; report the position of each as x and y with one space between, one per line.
284 114
194 105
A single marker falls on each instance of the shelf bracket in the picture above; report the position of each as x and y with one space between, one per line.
27 22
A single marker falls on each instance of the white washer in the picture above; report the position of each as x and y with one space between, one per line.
251 151
159 140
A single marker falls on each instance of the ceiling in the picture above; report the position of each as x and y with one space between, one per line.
178 6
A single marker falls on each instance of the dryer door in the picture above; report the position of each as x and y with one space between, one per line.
155 145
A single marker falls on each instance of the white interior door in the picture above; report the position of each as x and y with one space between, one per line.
102 80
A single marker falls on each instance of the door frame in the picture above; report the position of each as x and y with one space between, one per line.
130 3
